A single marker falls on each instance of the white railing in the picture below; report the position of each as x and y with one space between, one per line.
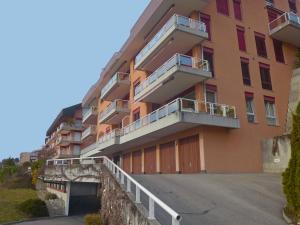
89 148
182 105
111 135
113 106
88 131
286 17
174 20
126 183
89 112
115 79
67 139
176 60
68 126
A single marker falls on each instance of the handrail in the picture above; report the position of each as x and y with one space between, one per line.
176 60
114 133
174 20
118 103
88 112
114 79
120 175
285 17
87 131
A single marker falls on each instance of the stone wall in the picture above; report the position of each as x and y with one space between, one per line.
117 207
276 153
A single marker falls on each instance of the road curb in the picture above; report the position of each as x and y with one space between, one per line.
31 220
287 219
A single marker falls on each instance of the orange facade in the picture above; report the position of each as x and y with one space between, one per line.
206 147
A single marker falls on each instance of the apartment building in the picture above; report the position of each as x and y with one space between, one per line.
63 138
197 86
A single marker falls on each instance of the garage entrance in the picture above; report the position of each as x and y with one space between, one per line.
150 160
189 155
126 162
137 162
167 158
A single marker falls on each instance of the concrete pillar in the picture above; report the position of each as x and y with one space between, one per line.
157 158
67 203
143 160
131 162
177 156
201 149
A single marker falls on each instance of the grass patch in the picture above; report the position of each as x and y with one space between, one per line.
9 201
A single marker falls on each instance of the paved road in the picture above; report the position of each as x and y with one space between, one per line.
220 199
74 220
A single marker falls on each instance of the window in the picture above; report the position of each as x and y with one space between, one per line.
265 76
292 5
270 110
136 114
278 49
211 93
270 2
272 15
136 83
222 7
241 38
261 45
250 107
206 19
208 54
237 9
245 71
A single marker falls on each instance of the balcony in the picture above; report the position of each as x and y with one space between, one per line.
90 131
90 115
67 140
179 34
116 88
286 28
114 112
65 128
172 78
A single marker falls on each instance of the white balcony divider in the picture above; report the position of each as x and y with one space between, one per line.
115 79
286 17
88 131
113 106
174 20
90 111
176 60
106 137
126 184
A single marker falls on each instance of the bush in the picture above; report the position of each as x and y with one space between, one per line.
34 208
51 196
92 219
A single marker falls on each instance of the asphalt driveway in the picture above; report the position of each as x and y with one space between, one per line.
74 220
220 199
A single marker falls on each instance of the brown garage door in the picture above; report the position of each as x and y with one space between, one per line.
189 155
167 158
126 162
150 159
137 162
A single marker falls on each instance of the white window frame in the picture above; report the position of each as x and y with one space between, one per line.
271 117
253 110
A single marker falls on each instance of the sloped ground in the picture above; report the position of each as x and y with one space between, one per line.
220 199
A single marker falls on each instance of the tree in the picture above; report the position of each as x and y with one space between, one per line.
291 177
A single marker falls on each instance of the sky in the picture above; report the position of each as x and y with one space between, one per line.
51 52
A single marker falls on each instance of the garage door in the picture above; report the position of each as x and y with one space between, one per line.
167 158
150 160
126 162
137 162
189 155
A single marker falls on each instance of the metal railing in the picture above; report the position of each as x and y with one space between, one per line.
127 183
69 126
113 106
115 79
88 131
90 111
286 17
106 137
176 60
67 139
174 20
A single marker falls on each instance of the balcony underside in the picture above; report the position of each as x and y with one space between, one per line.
117 91
172 83
115 116
179 39
288 32
169 125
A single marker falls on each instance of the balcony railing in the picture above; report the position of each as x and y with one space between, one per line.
89 112
114 106
118 77
109 136
176 60
67 139
174 20
284 18
181 105
70 126
88 131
